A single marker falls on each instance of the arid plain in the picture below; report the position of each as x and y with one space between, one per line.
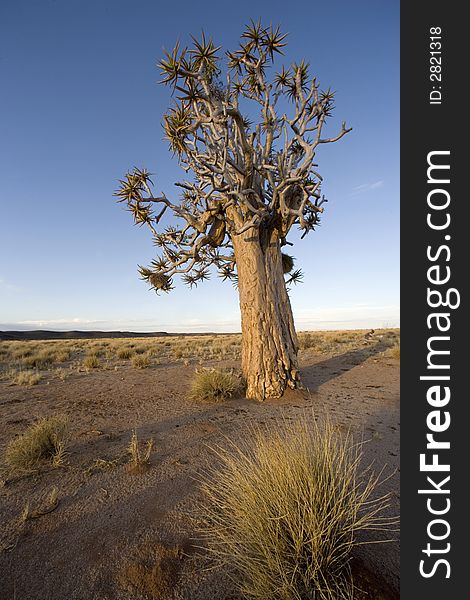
114 513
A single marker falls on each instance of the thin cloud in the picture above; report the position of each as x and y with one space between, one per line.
9 287
59 322
367 187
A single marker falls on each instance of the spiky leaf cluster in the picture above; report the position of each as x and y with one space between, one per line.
245 177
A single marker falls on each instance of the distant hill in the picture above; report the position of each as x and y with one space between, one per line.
41 334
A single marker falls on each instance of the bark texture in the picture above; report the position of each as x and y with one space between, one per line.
269 341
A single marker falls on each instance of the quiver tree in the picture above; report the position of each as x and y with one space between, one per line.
248 183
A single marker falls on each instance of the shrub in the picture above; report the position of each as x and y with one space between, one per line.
44 439
141 361
215 384
394 351
282 515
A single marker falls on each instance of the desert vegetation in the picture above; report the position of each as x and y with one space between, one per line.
394 351
284 512
261 465
141 360
81 356
215 384
45 439
139 455
149 430
21 377
282 507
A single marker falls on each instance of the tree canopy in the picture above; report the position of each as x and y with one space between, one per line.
243 172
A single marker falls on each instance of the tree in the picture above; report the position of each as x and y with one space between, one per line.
249 184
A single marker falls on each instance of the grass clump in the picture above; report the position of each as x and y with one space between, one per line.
282 515
394 351
45 439
139 457
215 384
62 374
91 361
124 353
39 360
141 361
42 356
142 349
28 377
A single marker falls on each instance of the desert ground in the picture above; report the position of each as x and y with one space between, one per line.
93 524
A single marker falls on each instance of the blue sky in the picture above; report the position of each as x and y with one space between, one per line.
80 104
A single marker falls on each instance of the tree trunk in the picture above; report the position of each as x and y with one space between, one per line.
269 341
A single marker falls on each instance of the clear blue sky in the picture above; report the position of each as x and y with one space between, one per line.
80 104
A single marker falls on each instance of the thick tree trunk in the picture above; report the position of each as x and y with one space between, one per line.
269 341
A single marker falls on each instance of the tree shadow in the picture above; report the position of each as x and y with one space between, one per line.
315 375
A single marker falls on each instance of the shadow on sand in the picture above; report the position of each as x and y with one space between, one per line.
315 375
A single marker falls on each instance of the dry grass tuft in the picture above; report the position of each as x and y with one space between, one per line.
53 499
124 353
41 356
58 457
91 361
139 458
63 374
394 351
283 514
215 384
25 378
45 439
141 361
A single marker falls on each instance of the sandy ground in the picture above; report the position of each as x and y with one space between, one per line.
112 530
